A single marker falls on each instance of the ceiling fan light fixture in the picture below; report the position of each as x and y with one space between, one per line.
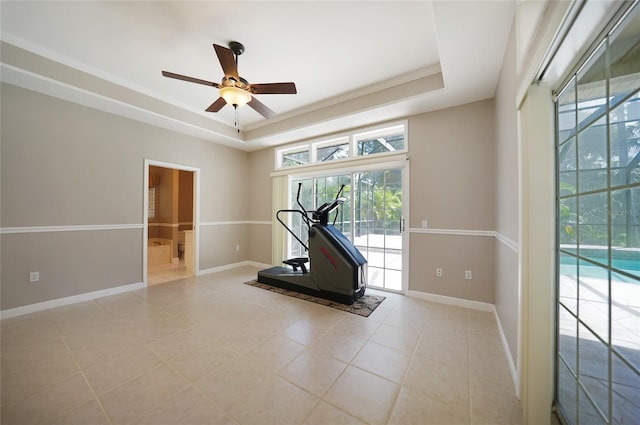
235 90
235 96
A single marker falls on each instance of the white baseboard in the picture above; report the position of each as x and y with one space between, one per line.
231 266
476 305
257 264
505 346
443 299
46 305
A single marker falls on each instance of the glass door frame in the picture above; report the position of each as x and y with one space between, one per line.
592 360
403 166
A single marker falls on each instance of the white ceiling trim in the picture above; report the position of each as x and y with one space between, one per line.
96 72
311 121
375 61
45 85
374 88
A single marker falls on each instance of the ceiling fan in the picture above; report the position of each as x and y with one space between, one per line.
234 89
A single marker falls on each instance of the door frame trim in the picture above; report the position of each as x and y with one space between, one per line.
145 213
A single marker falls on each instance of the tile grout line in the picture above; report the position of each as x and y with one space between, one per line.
236 352
322 398
81 371
39 387
406 372
368 339
194 386
132 378
344 370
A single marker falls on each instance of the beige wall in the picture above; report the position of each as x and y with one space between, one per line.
452 167
67 165
506 206
506 294
452 161
70 263
261 165
260 243
454 254
219 242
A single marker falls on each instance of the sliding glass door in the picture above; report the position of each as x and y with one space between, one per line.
378 225
598 308
371 217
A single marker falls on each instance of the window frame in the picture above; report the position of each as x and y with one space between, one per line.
351 137
151 207
330 142
281 153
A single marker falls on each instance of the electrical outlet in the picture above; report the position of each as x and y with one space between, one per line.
424 224
439 272
237 247
34 277
468 275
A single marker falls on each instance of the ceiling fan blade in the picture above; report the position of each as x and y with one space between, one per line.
274 88
217 105
227 61
190 79
261 108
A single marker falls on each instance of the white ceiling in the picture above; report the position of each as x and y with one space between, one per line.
354 63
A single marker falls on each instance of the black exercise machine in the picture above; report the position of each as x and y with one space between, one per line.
337 270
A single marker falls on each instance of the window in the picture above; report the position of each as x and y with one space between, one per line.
332 150
315 192
152 203
598 235
380 141
387 139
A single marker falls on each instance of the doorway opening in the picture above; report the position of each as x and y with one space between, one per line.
170 222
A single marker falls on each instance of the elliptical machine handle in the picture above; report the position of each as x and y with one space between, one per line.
306 248
298 198
304 212
337 196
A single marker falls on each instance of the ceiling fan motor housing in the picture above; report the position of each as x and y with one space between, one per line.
236 47
240 83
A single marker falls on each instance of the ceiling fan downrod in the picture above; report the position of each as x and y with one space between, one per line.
237 48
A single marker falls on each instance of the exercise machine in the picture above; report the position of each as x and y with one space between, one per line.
337 270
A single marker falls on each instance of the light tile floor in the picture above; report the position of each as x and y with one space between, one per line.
163 273
210 350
